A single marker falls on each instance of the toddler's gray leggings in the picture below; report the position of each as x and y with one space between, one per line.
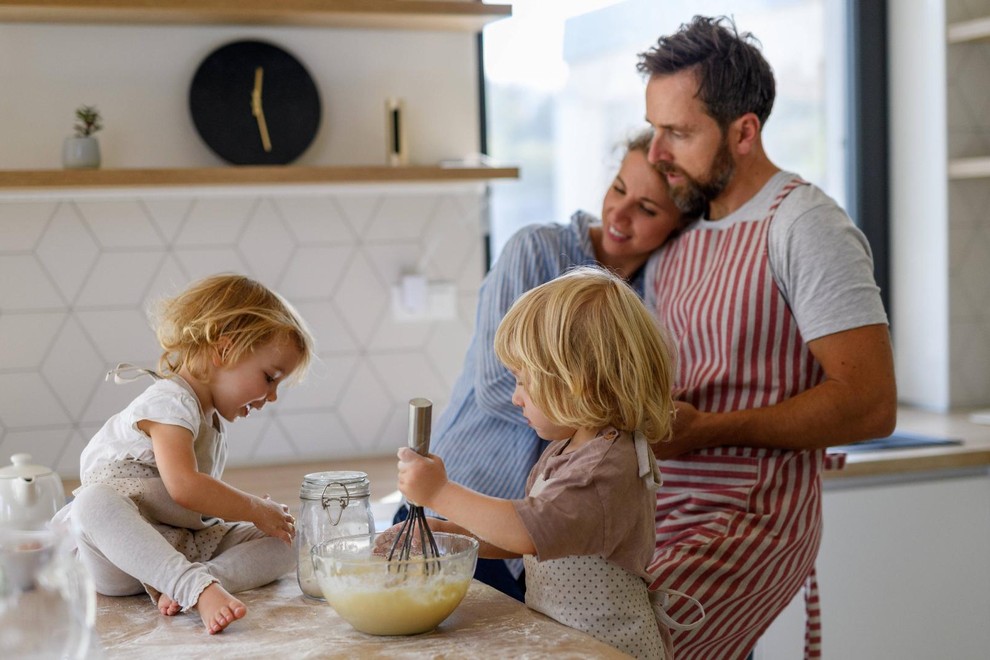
125 553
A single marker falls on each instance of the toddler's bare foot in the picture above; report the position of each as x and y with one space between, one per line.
167 606
218 609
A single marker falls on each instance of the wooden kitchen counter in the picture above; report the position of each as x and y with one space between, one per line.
283 481
974 452
282 623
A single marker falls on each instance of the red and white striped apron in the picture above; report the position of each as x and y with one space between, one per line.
738 528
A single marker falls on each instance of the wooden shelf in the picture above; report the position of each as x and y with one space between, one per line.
977 29
459 15
245 175
381 14
969 168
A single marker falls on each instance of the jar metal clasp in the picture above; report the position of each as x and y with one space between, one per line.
342 502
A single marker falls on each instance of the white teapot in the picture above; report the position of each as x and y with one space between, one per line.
29 494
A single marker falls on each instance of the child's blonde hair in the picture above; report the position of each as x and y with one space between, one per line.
226 315
592 353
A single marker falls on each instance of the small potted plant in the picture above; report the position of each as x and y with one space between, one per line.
82 150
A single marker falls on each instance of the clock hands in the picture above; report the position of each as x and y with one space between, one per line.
257 110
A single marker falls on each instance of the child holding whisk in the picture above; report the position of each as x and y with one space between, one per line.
152 513
593 376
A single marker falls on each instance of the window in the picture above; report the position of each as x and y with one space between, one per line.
563 93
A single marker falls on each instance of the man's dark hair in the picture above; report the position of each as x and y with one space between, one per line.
733 76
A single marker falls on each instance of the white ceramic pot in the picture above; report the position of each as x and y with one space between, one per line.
29 494
80 153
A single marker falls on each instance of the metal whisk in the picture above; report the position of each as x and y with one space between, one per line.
415 526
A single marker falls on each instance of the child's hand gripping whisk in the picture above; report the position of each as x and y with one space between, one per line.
415 534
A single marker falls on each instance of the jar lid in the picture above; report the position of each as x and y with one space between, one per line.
23 469
334 484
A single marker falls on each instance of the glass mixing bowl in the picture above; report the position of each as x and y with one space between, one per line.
382 597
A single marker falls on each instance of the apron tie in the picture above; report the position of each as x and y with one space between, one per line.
125 372
659 598
649 471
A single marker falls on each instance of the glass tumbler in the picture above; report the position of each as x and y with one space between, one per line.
47 599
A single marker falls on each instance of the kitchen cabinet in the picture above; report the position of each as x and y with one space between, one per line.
395 15
902 571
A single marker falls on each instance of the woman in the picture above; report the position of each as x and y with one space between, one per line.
482 437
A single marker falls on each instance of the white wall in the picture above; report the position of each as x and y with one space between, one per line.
918 210
79 267
139 78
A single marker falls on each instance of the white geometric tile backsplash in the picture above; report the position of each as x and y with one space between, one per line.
79 273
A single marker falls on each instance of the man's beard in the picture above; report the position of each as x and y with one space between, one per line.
692 197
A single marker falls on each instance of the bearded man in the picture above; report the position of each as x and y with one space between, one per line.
783 345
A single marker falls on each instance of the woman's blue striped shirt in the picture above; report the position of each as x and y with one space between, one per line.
481 436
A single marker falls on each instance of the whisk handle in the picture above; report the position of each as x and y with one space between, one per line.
420 420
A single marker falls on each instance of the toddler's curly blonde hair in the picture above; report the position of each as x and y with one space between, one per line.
226 315
592 353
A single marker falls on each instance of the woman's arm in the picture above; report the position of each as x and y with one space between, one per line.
176 461
521 266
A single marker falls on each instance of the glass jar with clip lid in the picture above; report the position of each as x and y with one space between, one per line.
333 504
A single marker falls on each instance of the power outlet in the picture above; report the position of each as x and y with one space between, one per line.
438 304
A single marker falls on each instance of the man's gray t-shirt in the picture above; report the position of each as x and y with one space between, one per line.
820 260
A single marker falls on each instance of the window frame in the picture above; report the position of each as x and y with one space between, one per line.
866 154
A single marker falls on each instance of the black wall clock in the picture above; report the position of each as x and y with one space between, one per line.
254 104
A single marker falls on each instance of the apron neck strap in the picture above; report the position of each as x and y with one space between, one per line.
125 372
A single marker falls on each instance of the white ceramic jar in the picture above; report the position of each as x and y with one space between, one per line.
80 153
